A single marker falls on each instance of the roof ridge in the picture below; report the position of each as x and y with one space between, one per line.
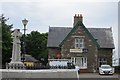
87 28
61 27
79 23
101 28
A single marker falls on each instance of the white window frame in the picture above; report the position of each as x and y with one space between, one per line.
83 62
78 42
73 60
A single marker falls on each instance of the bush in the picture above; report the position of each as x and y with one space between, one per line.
117 69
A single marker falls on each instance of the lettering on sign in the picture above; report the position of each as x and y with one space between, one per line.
76 50
79 36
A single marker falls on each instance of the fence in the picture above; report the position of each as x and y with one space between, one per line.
39 67
49 67
15 66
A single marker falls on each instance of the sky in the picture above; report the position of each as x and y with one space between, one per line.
119 31
59 13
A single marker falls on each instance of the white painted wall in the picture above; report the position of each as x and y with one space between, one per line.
50 73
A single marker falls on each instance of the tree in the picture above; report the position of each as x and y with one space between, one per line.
6 40
36 45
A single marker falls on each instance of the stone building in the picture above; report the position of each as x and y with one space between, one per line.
87 48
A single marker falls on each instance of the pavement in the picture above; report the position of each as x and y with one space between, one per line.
96 76
119 76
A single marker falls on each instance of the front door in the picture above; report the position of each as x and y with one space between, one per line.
80 61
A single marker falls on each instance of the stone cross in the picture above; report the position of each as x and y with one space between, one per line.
16 51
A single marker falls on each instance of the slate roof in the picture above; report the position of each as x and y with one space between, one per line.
56 35
29 58
103 36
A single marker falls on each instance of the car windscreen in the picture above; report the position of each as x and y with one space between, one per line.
105 67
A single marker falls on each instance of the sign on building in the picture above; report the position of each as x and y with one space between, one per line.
76 50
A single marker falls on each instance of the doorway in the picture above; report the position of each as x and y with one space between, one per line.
80 61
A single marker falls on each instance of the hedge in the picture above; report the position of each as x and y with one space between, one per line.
117 69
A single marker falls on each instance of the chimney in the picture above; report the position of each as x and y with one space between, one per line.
78 17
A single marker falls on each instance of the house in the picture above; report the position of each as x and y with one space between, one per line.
87 48
30 61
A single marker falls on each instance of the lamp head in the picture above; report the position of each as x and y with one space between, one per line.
25 21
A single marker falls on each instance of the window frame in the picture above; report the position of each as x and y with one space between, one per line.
102 61
79 43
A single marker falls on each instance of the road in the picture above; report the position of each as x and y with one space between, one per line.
96 76
82 76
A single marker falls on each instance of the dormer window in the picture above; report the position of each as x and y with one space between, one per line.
79 43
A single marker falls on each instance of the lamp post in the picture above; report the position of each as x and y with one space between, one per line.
24 41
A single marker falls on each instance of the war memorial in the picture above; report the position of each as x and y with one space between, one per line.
15 70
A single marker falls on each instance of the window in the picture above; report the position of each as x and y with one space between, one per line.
73 60
79 43
102 61
81 62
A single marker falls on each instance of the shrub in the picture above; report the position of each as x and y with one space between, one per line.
117 69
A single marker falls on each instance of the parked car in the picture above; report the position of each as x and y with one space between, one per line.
106 69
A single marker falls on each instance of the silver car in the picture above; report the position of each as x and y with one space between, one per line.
106 69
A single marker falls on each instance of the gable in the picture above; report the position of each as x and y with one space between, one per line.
79 23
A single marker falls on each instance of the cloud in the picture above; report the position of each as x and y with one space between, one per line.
58 1
61 13
57 13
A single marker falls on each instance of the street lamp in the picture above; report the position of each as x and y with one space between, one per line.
24 41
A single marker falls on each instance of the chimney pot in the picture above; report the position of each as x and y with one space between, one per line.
81 16
77 18
75 15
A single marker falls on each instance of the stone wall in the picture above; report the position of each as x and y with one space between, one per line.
88 44
51 73
106 53
53 52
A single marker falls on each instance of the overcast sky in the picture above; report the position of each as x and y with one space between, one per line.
59 13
